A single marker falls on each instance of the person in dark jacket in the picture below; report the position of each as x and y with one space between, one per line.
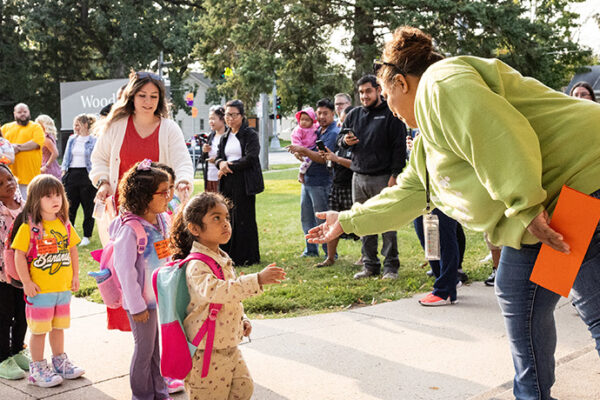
240 180
378 142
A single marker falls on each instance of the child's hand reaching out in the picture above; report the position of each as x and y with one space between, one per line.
271 274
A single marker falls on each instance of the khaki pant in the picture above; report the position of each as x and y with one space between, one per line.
228 377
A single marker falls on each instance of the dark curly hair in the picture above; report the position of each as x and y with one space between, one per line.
165 168
181 239
137 188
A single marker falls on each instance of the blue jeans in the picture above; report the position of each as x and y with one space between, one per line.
447 267
528 311
313 199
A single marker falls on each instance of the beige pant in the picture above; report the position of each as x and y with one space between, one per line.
228 377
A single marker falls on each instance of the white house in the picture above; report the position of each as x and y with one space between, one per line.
188 124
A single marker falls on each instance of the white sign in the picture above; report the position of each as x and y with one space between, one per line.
87 97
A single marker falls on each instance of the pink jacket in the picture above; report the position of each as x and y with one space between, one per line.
305 137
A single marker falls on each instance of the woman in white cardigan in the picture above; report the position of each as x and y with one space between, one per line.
138 127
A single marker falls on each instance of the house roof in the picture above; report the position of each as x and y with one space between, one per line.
199 76
589 74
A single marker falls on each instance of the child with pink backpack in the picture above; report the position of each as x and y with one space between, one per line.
216 294
143 197
47 263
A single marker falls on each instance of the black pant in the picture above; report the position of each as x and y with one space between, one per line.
80 190
243 246
13 324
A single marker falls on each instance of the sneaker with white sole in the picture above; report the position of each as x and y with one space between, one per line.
174 385
65 368
431 300
40 374
84 242
390 275
23 359
365 273
9 369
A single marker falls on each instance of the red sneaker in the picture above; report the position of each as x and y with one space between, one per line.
431 300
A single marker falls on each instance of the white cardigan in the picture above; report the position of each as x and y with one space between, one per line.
172 152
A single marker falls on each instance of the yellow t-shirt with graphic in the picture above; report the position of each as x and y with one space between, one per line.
51 270
27 163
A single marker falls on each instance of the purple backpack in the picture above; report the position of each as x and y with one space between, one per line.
107 280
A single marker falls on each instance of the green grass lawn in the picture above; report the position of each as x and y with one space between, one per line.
309 290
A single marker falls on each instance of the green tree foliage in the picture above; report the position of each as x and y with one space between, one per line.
15 65
261 40
256 37
72 40
531 36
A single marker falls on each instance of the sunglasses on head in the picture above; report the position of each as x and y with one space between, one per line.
145 74
377 64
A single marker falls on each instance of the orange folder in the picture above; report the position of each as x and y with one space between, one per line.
575 217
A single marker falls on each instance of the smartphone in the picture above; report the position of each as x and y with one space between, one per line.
347 131
320 145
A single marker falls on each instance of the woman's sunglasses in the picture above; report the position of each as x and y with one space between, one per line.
145 74
377 64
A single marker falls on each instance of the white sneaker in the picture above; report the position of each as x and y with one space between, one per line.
65 368
84 242
41 375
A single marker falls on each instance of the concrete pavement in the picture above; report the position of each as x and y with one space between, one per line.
391 351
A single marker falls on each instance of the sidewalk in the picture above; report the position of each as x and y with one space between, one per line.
391 351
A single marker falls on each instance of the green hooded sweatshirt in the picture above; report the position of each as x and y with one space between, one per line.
498 148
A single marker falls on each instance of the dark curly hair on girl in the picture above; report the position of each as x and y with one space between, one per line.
181 239
137 188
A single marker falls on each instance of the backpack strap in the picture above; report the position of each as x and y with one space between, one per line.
208 327
36 232
140 234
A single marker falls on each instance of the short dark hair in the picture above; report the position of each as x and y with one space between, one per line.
325 102
372 79
237 104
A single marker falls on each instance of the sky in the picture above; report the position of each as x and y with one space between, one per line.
589 34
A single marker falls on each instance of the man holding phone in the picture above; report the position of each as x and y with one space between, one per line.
317 179
378 143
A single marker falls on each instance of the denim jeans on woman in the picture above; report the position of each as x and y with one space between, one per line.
528 311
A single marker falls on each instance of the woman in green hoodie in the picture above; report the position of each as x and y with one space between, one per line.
495 149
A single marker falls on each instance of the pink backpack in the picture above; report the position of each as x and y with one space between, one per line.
107 280
36 232
172 298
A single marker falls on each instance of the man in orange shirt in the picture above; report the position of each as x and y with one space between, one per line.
27 139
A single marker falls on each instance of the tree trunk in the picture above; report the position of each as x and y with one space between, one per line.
364 48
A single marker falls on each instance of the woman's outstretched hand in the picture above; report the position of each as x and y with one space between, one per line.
328 230
540 228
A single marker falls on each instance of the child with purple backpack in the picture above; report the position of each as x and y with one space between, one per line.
143 196
219 370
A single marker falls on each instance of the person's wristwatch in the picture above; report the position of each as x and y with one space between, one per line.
101 182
